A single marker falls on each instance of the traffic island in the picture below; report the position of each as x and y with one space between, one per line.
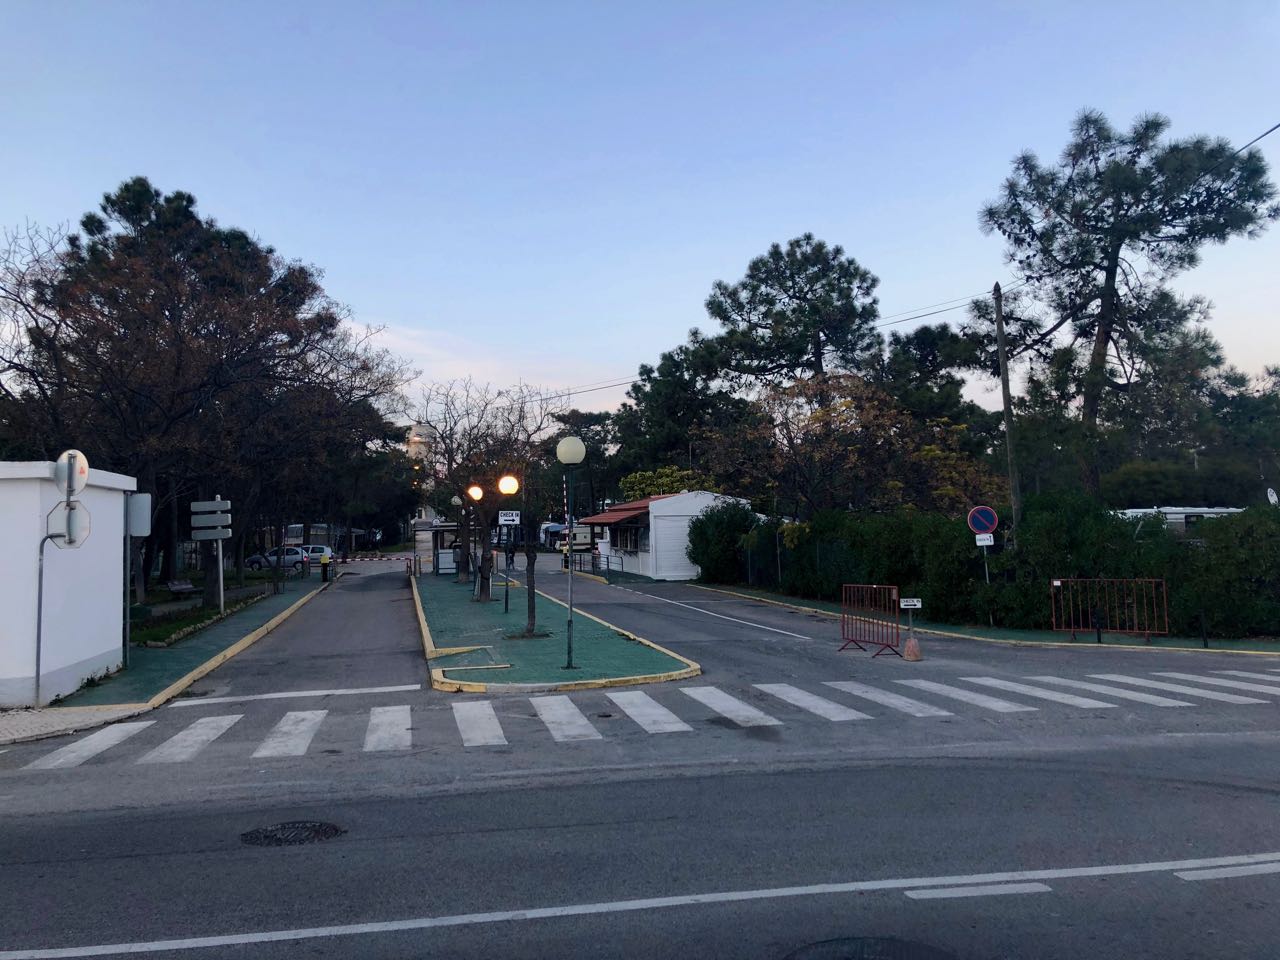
474 647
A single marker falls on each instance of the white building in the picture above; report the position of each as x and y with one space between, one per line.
83 601
650 537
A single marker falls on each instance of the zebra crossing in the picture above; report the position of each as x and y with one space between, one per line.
476 724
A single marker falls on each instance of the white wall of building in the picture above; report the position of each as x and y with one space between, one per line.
669 519
83 588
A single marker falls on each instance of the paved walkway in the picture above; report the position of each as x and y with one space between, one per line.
599 652
1009 634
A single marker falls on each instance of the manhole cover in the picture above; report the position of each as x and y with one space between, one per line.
291 833
869 948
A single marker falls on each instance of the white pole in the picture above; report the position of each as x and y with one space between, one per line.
222 607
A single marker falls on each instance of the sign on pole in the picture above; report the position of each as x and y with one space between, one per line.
211 520
218 533
910 603
71 472
983 520
508 518
985 539
68 524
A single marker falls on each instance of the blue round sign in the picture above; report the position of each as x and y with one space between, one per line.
983 520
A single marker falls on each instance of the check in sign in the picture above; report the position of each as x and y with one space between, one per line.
508 518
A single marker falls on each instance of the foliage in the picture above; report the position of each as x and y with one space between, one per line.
668 479
716 540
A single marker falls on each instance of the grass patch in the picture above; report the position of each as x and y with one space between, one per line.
174 627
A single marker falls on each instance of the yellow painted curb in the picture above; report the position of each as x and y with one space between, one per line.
1013 643
450 651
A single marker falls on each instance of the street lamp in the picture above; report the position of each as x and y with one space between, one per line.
508 485
570 451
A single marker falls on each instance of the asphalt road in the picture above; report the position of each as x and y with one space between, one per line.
1082 831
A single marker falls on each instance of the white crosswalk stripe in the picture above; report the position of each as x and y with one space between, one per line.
743 714
388 729
477 724
1069 699
968 696
827 709
74 754
1231 684
292 735
888 698
190 741
1269 677
1176 688
644 710
1117 692
564 720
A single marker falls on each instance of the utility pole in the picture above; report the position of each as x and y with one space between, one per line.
1015 491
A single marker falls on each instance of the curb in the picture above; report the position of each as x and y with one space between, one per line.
440 682
175 688
1010 643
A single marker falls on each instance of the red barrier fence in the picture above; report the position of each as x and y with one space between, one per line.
869 614
1109 606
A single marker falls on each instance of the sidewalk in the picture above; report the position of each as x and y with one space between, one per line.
155 675
1009 634
471 649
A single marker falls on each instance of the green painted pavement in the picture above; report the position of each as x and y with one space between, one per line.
599 652
152 669
1022 636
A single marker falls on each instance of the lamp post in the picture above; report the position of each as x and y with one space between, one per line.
507 486
570 451
457 503
476 493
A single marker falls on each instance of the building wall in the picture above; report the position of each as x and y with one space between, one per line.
669 520
83 588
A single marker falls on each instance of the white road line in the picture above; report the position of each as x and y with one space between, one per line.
477 724
982 890
968 696
74 754
1269 677
292 735
1069 699
563 719
286 694
1224 872
758 626
827 709
388 729
743 714
889 699
1231 684
1176 688
1122 694
644 710
190 741
369 928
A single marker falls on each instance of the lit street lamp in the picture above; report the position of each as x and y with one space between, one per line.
570 451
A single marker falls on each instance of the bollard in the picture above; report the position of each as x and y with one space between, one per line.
324 568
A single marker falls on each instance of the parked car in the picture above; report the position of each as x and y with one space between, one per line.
315 551
293 557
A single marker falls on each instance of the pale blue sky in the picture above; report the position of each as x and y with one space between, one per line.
547 190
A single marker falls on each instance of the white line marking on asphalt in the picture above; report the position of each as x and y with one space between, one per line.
644 710
1245 673
1068 698
478 724
1215 682
74 754
984 890
1225 872
292 735
1150 698
743 714
968 696
619 906
1176 688
889 699
286 694
190 741
758 626
827 709
563 719
388 729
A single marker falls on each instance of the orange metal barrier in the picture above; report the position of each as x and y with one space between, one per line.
869 614
1110 606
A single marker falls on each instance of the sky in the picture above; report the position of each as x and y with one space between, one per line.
546 191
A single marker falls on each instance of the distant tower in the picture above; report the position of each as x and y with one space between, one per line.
418 447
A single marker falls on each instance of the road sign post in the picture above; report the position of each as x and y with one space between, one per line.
508 518
211 520
983 521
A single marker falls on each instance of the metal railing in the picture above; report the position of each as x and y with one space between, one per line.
1128 606
869 614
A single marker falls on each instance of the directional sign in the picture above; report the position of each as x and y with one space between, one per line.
910 603
211 520
217 533
985 539
983 520
508 518
204 506
80 472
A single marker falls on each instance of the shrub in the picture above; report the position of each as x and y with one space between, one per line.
716 541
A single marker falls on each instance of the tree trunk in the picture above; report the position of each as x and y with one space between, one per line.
531 598
1095 378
